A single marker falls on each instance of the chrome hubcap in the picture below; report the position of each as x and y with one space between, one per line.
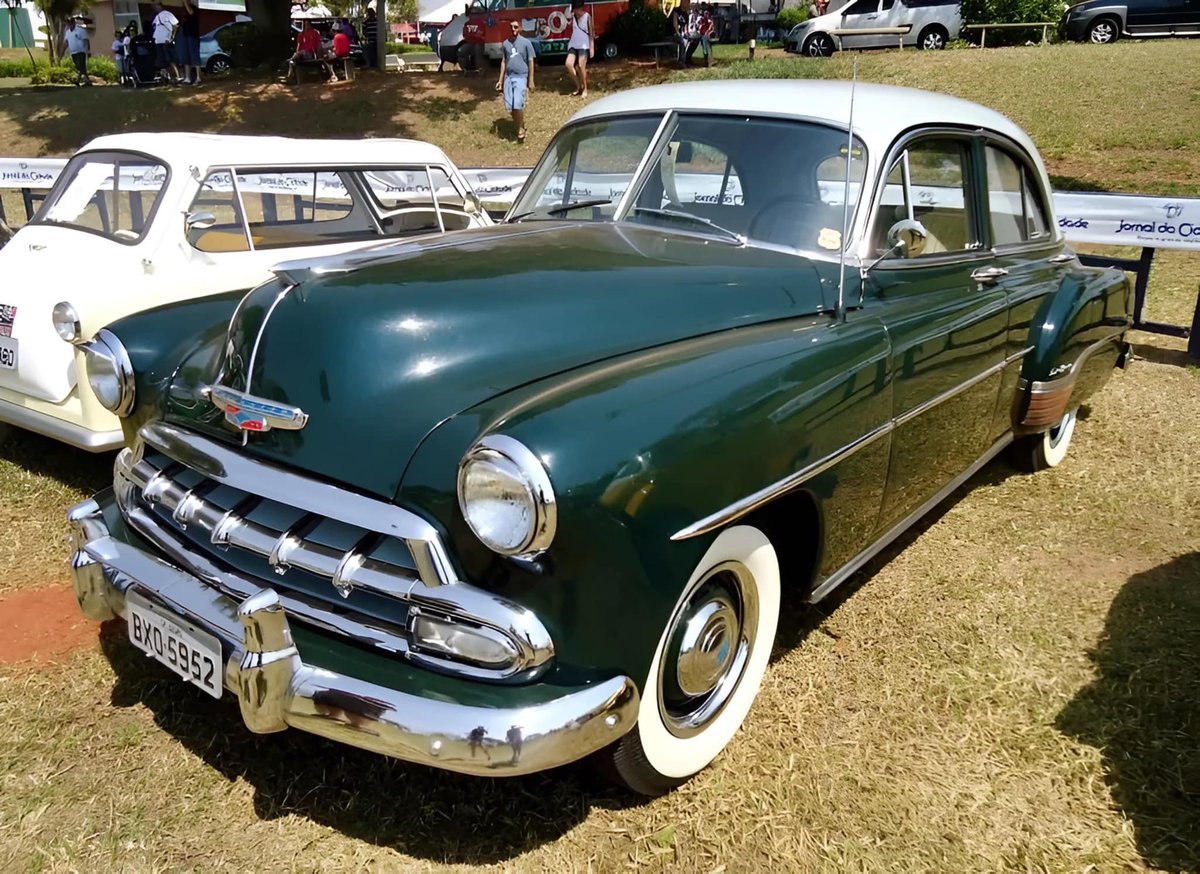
708 644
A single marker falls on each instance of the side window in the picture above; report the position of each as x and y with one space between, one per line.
1017 214
934 193
861 7
299 208
405 201
887 5
217 198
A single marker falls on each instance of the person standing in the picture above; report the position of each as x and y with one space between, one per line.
581 47
78 46
163 26
188 44
516 75
679 24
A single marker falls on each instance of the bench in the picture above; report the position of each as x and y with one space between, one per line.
316 68
659 46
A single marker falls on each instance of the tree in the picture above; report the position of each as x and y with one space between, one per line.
13 6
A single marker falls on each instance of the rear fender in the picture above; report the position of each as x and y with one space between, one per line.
1077 337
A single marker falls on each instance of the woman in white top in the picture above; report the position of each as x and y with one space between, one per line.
581 47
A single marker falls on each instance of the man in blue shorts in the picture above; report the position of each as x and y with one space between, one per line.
516 75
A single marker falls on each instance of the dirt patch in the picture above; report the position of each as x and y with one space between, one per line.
42 625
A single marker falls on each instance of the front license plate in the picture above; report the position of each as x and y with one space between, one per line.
8 353
188 651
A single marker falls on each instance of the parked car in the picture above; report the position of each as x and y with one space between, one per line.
536 491
931 24
219 46
1105 22
148 219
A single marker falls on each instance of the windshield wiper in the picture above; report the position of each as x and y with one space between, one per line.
698 219
566 207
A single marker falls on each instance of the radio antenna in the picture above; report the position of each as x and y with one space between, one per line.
840 314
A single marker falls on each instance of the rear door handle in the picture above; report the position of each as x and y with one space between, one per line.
989 275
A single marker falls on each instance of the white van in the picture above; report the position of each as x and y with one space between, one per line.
931 24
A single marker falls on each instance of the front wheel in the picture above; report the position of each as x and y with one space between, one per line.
707 669
932 38
1104 31
819 45
218 64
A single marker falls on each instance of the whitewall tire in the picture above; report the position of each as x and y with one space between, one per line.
707 668
1051 446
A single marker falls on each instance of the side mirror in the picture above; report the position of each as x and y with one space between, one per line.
907 238
199 221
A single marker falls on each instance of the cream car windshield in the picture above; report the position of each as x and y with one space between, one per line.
747 179
112 194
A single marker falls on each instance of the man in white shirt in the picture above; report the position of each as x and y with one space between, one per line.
163 28
77 48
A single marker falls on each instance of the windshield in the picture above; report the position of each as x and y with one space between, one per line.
113 194
755 180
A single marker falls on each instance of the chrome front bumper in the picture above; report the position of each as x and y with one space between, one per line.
276 689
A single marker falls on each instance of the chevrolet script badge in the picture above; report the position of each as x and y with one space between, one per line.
248 413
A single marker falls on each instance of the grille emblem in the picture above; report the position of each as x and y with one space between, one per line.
248 413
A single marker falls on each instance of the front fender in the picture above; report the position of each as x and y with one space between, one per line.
162 341
643 446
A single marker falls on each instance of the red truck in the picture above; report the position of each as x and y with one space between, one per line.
545 23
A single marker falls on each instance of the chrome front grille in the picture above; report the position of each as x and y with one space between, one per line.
351 564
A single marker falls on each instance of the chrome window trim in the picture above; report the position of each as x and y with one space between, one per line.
753 501
654 148
1018 153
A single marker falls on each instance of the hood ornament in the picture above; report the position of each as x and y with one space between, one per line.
249 413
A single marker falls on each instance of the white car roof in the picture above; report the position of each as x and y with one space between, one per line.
881 112
205 151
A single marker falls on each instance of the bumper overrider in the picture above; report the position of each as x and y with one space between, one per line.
276 689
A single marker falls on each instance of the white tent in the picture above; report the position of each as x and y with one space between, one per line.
317 11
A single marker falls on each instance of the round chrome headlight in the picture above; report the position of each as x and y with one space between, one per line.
506 497
109 372
66 322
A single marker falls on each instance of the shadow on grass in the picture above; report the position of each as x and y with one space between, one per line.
87 471
1163 355
1143 710
422 812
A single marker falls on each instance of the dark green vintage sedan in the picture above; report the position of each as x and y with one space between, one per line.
499 500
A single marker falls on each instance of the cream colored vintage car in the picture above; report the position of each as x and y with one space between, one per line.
140 220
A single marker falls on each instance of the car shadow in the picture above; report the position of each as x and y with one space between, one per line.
87 471
422 812
798 619
1142 711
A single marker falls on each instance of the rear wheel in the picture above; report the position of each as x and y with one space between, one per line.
933 37
465 53
707 669
609 50
218 64
819 45
1048 449
1104 31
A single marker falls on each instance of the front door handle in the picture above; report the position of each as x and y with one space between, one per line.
989 275
1064 258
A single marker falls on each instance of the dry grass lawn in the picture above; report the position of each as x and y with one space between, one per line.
1015 685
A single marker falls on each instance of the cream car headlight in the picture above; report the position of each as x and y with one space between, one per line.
66 322
109 372
506 497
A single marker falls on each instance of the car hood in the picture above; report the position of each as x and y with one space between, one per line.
379 356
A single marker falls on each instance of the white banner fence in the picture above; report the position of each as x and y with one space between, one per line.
1096 218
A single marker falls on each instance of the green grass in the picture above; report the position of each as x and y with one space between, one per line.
1015 685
